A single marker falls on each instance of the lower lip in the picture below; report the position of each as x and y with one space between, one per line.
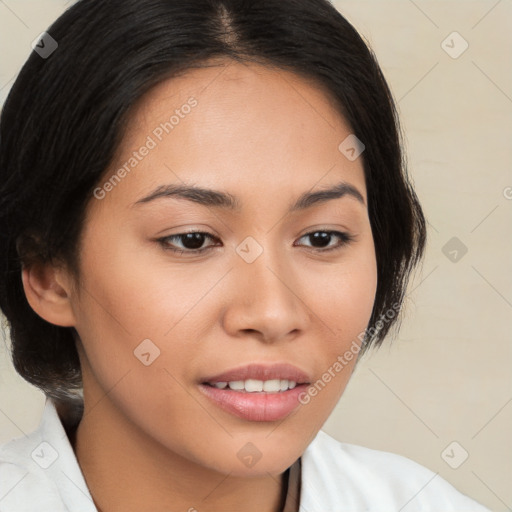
256 406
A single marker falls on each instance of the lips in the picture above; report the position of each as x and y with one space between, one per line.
253 404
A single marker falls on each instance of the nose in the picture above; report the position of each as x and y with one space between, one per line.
267 300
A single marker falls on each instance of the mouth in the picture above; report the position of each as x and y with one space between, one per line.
257 392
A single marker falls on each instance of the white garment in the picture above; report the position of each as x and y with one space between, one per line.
336 477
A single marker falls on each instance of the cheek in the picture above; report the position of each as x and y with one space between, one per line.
127 295
344 302
342 294
141 335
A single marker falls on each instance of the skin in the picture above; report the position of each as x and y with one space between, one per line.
149 439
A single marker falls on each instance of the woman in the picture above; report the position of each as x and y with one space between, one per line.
205 222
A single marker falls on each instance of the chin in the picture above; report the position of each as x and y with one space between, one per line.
255 456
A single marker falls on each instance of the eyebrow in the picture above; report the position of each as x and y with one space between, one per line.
218 199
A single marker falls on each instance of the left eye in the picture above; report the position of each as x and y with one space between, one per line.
192 242
324 239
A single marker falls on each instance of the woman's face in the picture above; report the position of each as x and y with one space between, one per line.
270 288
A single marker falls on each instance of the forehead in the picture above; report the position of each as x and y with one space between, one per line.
231 125
224 82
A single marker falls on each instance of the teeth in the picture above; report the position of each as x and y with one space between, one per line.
257 386
272 386
237 385
252 385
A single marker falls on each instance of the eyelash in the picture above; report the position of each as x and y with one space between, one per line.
345 238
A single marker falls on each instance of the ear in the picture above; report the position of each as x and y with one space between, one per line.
48 292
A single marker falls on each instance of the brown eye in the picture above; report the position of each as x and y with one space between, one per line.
321 240
191 242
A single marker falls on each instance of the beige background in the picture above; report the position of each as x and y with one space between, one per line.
447 377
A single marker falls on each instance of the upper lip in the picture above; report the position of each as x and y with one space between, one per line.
263 372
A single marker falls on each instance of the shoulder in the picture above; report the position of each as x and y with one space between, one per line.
23 482
39 471
353 477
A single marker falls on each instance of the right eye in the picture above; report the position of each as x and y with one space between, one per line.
191 242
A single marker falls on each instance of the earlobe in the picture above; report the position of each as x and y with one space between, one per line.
47 294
